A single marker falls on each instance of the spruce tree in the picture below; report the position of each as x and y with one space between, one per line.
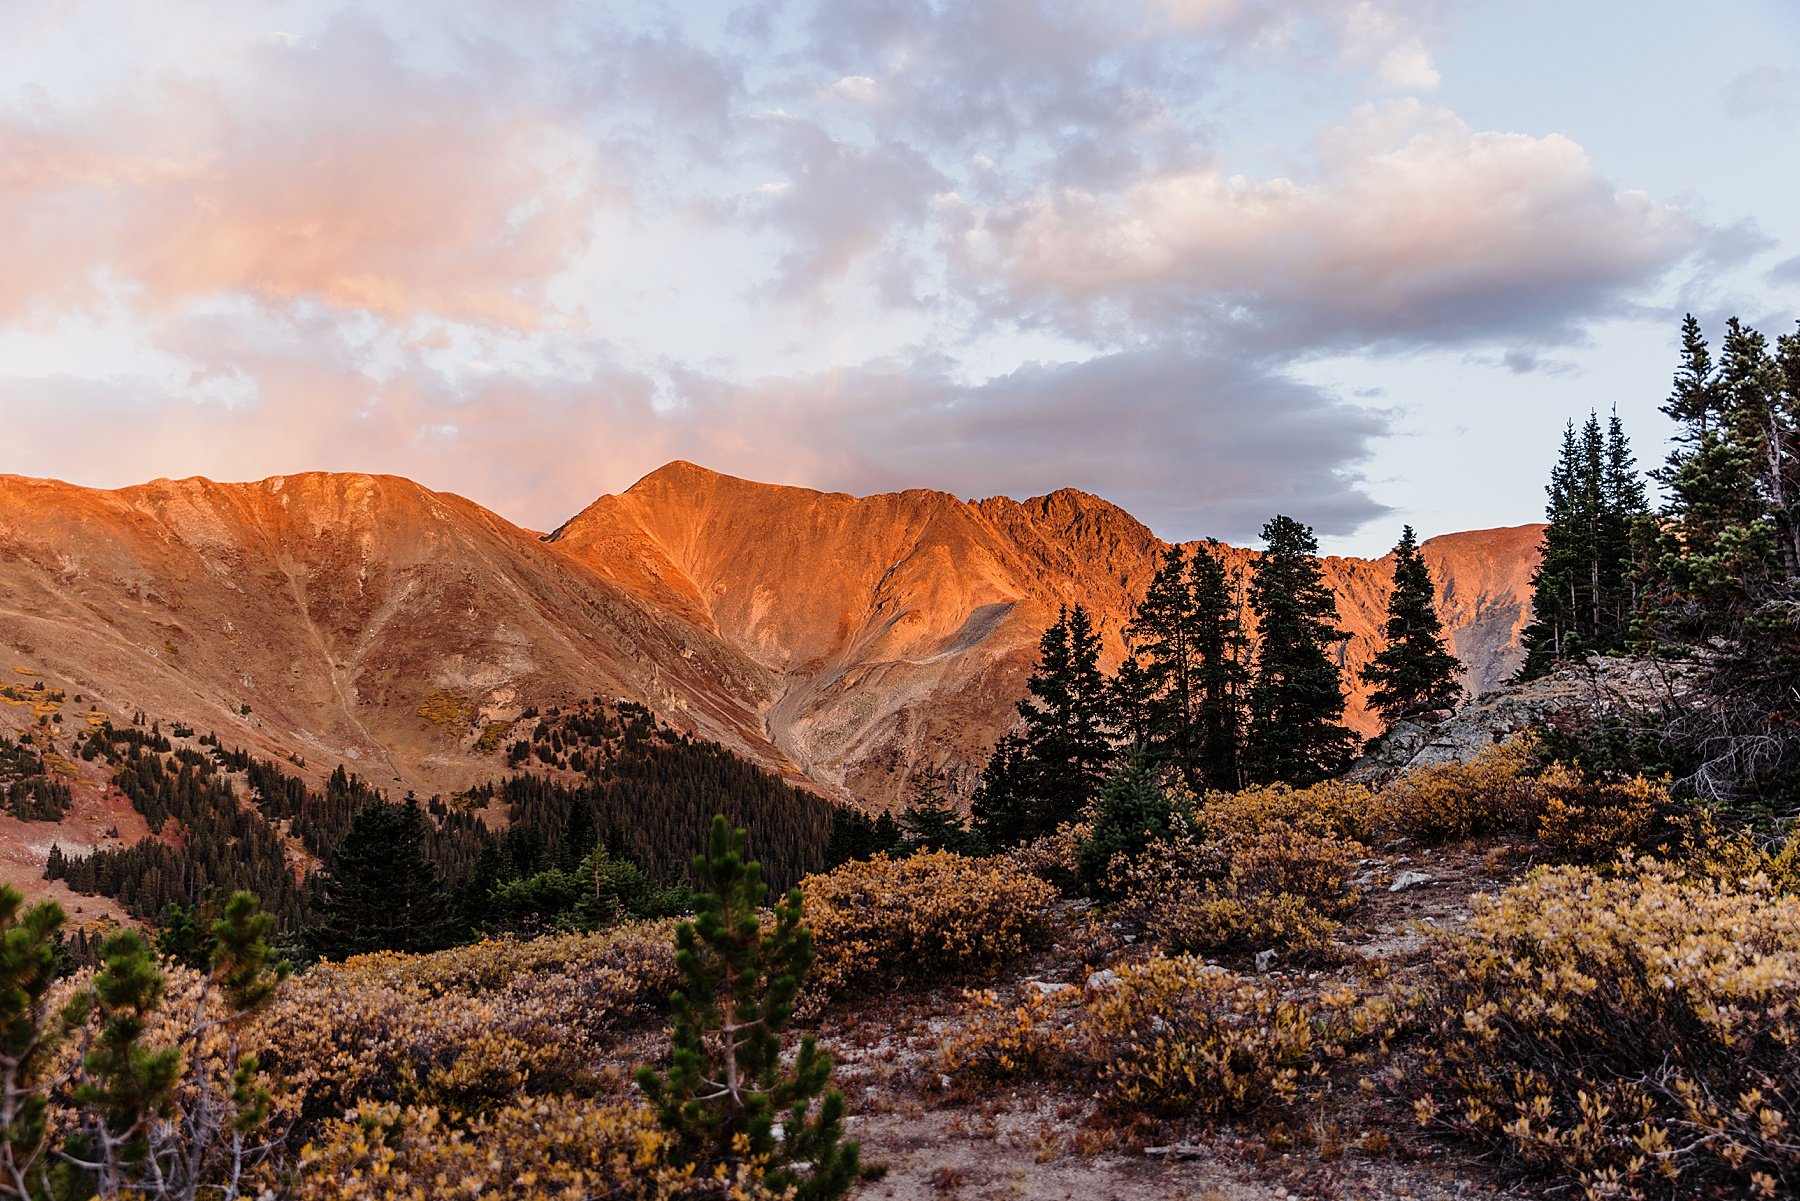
380 892
1165 630
727 1080
1224 672
931 823
1725 582
1296 698
1131 703
1584 587
1414 673
125 1084
29 1034
1134 810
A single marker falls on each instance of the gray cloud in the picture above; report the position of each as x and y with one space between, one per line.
1786 273
1192 445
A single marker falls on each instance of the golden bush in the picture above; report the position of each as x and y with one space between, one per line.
1175 1036
543 1149
1272 885
931 915
1638 1032
1331 809
466 1029
1493 793
1002 1042
1052 858
1589 819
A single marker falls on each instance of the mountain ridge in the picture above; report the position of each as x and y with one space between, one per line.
842 640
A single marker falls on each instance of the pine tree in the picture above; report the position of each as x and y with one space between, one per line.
1191 687
1295 698
727 1080
1047 772
1131 703
1414 673
28 1033
1584 587
381 893
125 1084
1726 575
1165 630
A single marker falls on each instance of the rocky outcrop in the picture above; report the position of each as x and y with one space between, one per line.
1581 694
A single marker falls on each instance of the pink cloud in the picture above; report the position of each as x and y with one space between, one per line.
340 177
1412 222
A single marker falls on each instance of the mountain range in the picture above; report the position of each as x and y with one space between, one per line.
844 641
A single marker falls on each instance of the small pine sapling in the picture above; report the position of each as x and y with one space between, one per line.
28 961
727 1079
125 1084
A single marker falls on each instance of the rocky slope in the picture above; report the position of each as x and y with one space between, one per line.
369 621
901 628
340 618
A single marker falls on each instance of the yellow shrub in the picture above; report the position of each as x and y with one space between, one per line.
1595 820
446 708
1638 1032
536 1150
1331 809
1001 1042
1276 885
467 1028
1052 858
1490 794
1176 1036
900 920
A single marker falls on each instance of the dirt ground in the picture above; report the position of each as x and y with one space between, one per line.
1051 1140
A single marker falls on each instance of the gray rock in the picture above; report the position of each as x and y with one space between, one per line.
1104 978
1265 960
1406 880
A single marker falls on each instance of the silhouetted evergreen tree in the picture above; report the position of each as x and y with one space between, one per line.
930 822
1295 697
1583 589
1224 669
1413 673
380 893
1053 766
1726 577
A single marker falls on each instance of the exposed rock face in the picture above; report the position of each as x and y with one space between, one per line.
851 639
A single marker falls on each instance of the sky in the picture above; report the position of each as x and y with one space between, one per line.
1354 261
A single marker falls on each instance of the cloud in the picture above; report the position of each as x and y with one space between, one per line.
1193 445
838 202
1411 228
1786 273
340 176
1768 92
